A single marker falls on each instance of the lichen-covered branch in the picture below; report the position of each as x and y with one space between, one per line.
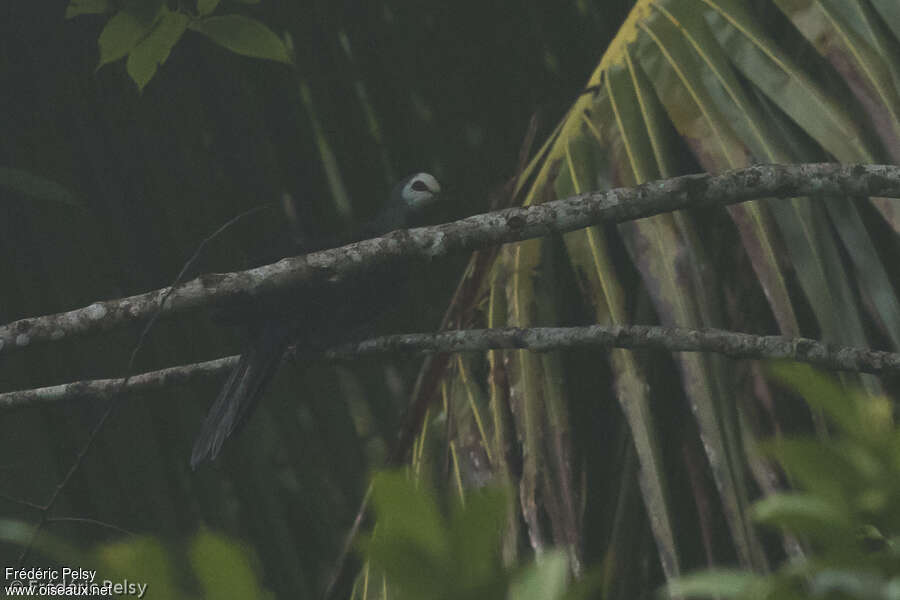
107 389
538 339
479 231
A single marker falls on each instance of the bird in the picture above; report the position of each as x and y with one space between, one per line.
330 319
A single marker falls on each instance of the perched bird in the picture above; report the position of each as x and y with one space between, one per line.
329 318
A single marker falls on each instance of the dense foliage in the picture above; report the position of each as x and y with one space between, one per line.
845 509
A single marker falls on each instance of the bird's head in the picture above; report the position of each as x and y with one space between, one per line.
418 191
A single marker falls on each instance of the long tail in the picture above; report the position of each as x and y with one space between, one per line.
241 391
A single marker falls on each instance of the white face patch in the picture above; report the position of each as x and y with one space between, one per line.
420 190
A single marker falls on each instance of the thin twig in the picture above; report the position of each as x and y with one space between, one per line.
21 502
538 339
88 521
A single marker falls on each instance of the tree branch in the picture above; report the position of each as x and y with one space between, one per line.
539 339
479 231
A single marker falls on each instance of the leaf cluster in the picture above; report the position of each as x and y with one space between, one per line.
846 505
419 551
145 31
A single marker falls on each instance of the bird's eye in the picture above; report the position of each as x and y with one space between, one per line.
419 186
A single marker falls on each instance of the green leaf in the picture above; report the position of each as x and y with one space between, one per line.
588 251
680 293
418 574
850 584
121 34
475 530
823 393
20 533
88 7
141 559
36 187
714 583
224 568
546 579
206 7
890 12
826 470
154 49
805 514
407 510
842 32
243 36
790 86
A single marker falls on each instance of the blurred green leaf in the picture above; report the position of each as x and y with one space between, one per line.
407 509
855 584
244 36
422 554
821 392
718 583
224 568
546 579
826 470
805 514
142 560
475 529
412 572
88 7
206 7
410 543
19 533
35 186
849 507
